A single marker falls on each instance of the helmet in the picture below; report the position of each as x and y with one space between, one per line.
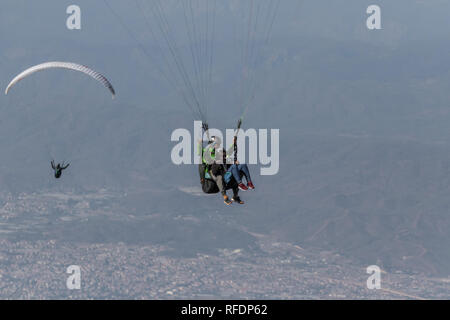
215 140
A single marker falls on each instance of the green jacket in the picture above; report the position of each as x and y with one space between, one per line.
202 151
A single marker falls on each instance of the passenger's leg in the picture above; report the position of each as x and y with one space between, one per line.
244 169
234 170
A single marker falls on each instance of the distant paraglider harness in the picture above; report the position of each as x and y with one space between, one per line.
58 168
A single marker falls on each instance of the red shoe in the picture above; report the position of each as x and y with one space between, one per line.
250 185
242 186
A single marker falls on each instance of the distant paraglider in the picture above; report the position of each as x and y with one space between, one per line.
65 65
58 168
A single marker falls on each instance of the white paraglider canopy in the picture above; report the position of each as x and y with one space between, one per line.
65 65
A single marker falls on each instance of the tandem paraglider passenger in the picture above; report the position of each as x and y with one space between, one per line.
237 171
58 168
